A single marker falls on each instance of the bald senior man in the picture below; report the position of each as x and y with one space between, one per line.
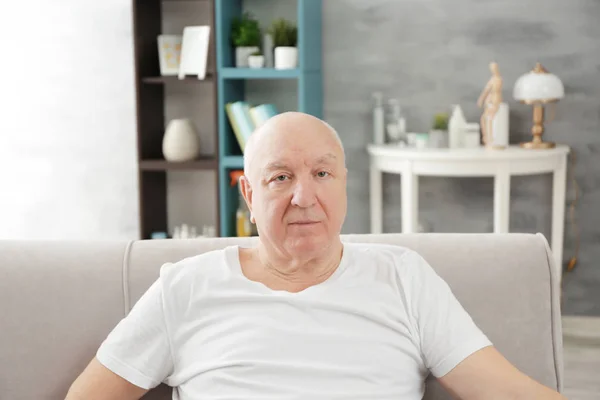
301 315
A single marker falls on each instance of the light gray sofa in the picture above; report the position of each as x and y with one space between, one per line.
59 300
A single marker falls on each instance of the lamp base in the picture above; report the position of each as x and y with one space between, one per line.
538 145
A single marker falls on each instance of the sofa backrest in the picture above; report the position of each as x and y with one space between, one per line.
59 300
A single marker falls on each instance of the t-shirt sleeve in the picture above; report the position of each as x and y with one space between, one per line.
138 348
447 333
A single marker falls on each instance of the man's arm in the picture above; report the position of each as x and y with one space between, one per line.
487 375
97 382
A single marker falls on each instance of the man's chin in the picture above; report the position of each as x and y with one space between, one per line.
306 243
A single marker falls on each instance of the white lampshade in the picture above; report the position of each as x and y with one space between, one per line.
538 85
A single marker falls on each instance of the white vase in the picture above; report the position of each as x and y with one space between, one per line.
286 57
180 142
241 55
500 128
256 61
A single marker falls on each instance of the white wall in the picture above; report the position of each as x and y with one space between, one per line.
67 120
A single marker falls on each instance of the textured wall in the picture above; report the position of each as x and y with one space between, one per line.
432 53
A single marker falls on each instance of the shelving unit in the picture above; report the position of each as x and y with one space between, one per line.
153 109
232 86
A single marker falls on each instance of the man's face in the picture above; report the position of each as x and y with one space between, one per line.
298 188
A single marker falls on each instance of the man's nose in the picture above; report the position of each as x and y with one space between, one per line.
304 195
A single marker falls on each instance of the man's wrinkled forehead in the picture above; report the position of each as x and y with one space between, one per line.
276 162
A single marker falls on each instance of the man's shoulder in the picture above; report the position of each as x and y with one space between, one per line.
204 265
383 253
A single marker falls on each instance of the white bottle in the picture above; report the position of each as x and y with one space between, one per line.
456 128
378 119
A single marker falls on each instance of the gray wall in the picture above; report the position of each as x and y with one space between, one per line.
432 53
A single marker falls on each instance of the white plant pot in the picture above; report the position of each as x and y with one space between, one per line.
286 57
180 142
242 54
438 139
256 61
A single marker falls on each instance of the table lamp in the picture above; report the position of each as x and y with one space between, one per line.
538 88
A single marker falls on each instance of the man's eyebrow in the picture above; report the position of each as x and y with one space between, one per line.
329 157
273 165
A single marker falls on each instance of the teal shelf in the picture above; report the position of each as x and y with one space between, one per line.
232 162
231 87
259 73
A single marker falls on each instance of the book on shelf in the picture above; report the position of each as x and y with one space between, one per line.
244 119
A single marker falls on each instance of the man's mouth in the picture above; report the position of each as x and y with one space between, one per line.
304 222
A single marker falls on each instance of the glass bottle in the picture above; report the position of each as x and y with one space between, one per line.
242 217
243 226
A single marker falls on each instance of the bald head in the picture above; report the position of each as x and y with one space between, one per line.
289 128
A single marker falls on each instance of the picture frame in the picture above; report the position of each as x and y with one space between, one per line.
194 51
169 54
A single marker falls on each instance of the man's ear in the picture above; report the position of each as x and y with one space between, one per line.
246 190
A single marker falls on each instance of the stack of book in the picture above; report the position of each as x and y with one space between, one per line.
245 119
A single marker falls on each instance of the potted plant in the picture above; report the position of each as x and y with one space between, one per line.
439 131
245 37
285 38
256 60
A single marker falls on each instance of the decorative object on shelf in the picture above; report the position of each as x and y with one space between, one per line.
456 128
243 218
472 136
267 46
180 142
186 231
285 38
538 88
438 136
494 120
245 37
208 231
378 119
396 127
256 60
500 128
194 51
169 54
422 140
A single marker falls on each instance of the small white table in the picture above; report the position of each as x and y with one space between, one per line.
410 163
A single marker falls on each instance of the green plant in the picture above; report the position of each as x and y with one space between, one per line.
440 121
245 31
256 53
284 33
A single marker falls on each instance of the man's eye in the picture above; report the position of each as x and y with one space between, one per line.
322 174
281 178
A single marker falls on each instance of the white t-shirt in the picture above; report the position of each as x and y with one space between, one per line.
373 330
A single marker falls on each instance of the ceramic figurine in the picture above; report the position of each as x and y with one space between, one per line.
490 99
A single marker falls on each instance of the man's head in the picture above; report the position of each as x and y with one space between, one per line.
295 184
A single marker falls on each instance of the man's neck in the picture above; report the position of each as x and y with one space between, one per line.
281 272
